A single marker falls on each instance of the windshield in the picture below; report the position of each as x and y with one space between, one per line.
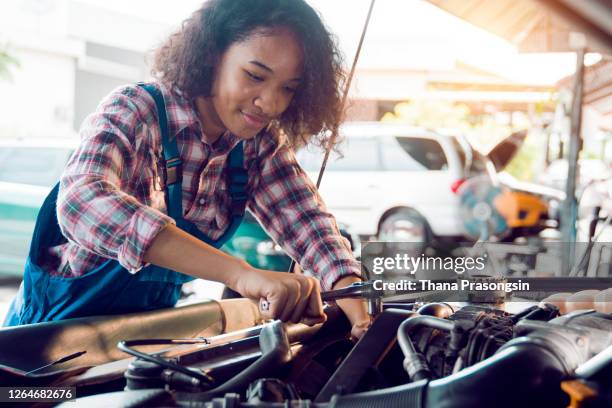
356 154
414 153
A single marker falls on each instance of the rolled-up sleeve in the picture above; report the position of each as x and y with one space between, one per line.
291 210
94 210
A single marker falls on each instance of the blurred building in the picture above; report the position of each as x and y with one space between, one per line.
377 90
552 27
73 52
597 107
70 54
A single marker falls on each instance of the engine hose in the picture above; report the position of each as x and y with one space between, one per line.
405 396
473 341
415 363
598 367
275 352
523 375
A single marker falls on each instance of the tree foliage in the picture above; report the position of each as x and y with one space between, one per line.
6 61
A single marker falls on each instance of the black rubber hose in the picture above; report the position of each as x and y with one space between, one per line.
524 375
404 396
473 342
275 352
126 347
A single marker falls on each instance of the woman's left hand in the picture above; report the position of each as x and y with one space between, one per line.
355 309
359 329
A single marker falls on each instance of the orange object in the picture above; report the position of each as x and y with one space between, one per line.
558 300
578 392
583 300
520 209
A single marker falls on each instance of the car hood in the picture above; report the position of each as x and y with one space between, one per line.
503 152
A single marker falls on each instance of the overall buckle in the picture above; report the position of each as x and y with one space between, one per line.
174 172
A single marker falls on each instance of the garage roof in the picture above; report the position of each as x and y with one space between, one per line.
539 25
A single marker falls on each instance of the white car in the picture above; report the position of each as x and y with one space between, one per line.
395 182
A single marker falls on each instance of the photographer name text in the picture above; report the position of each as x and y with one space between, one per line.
462 284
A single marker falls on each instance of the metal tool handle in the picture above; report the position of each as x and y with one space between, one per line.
357 290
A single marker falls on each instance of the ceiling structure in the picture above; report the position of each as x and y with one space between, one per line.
539 25
597 90
555 26
548 26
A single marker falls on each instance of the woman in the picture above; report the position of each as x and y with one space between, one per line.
165 170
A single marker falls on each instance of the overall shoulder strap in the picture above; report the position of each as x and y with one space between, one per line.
237 178
172 160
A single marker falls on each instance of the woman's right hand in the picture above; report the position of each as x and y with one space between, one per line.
291 297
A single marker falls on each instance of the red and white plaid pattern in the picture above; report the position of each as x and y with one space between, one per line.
111 199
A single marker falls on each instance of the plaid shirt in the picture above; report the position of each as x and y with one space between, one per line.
111 202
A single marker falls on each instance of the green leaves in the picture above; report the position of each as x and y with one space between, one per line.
6 61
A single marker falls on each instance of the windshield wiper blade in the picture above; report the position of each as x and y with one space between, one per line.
61 360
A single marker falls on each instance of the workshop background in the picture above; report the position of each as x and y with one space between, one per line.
473 71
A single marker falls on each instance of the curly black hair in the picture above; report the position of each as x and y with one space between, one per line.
188 58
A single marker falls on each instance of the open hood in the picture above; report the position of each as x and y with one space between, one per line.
505 150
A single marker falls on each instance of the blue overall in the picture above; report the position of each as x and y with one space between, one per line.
110 288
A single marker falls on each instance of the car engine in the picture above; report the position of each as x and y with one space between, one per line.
414 354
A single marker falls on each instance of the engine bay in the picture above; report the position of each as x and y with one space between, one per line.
415 354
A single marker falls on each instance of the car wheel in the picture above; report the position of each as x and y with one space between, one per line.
403 225
404 231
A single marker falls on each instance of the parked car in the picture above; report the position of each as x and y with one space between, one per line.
28 171
254 245
395 182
